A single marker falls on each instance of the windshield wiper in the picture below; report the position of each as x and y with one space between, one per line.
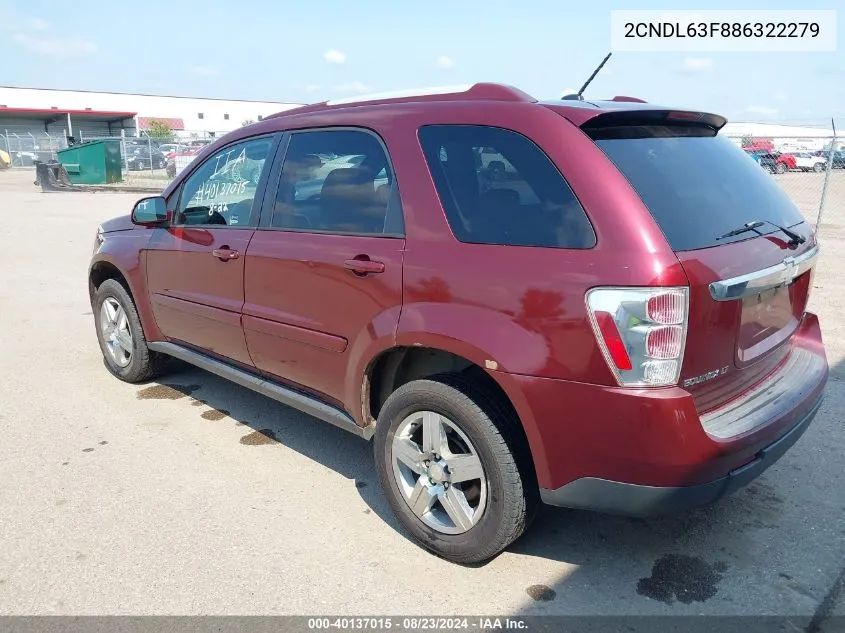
794 238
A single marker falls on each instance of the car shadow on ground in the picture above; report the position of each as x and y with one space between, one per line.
266 422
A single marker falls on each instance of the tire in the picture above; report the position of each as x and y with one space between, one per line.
141 166
505 496
780 168
818 167
139 364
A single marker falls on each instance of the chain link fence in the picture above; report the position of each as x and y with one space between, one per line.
25 148
810 170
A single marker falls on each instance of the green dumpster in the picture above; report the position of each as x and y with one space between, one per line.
93 163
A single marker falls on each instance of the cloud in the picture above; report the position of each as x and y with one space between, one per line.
697 64
445 62
54 46
37 24
356 87
781 96
334 56
206 71
312 88
763 110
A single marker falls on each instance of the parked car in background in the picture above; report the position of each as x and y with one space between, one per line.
25 158
169 148
175 161
767 160
140 157
838 161
784 162
807 161
628 338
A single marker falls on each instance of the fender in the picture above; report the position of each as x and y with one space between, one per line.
128 259
490 338
468 331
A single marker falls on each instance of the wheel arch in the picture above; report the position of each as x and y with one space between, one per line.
398 365
103 268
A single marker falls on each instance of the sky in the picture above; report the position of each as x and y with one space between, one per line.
302 52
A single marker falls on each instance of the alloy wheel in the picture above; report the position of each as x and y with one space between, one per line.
439 473
114 328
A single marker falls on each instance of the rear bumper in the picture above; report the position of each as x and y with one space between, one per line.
616 497
648 451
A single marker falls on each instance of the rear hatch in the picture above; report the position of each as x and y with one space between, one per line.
748 290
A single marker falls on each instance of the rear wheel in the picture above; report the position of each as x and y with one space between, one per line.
121 336
818 167
780 168
456 475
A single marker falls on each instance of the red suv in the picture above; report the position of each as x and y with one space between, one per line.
615 321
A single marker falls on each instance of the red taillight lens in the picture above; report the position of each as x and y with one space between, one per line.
613 341
664 342
666 308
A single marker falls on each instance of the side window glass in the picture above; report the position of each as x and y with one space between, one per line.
498 187
222 190
337 181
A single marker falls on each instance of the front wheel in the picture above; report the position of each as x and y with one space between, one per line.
121 336
456 475
818 168
780 168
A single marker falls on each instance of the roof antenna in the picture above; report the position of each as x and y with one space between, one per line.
578 96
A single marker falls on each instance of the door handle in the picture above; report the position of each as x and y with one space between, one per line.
363 265
225 253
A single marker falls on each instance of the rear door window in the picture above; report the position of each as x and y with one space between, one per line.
337 181
498 187
698 188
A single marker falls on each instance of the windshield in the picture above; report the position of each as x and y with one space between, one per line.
700 187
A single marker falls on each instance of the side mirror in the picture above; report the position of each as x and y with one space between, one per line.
150 212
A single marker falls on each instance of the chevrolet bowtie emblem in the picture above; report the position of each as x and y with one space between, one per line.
790 270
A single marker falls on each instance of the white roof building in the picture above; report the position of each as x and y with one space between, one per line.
83 113
783 137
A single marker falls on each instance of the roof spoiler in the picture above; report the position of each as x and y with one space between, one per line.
655 117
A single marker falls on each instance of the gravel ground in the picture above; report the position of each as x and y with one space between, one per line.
165 498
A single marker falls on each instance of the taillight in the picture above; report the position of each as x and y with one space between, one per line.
641 332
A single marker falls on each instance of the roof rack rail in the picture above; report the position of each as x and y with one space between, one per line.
477 92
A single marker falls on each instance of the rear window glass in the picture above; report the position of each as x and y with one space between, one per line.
699 187
497 187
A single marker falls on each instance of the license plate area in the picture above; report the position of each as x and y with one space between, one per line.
767 320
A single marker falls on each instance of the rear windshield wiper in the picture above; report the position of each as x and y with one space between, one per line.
794 238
